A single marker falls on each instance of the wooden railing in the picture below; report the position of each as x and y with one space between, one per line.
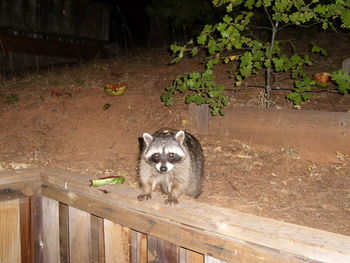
51 215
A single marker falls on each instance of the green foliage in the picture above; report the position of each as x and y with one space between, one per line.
318 49
342 79
301 91
229 41
202 89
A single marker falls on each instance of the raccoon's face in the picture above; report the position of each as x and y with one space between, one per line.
164 152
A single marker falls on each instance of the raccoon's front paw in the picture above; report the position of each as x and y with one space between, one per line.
171 200
144 197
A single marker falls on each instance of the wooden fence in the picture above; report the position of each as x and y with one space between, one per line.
51 215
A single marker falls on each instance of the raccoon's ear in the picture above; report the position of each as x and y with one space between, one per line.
147 138
180 137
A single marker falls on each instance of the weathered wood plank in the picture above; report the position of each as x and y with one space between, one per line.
79 235
209 259
199 115
10 242
10 193
97 240
271 130
160 251
51 242
37 229
189 256
19 183
19 176
223 233
138 247
26 224
64 232
117 242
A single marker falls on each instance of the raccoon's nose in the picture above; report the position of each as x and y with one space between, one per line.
163 169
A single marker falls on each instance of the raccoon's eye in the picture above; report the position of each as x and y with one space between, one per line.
156 157
171 155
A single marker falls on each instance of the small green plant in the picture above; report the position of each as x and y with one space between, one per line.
231 41
9 98
342 79
202 89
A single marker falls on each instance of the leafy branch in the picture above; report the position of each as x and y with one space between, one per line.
228 42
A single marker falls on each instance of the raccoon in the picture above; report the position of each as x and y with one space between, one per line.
174 160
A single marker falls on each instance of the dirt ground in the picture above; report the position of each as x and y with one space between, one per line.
59 121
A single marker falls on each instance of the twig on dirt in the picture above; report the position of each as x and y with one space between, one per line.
229 182
276 88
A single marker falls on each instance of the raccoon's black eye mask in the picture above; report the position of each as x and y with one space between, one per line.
165 157
155 158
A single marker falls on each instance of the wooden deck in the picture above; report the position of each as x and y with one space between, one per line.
51 215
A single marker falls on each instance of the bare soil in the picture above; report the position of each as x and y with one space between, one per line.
59 121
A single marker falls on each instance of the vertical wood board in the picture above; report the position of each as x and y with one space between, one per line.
10 242
199 115
64 232
160 251
51 242
209 259
189 256
37 230
138 247
97 240
26 225
117 242
79 235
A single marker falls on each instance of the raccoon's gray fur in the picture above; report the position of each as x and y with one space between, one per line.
174 160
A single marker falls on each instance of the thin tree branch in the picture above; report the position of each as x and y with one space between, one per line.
268 15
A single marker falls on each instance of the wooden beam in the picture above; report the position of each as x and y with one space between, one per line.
19 183
222 233
19 176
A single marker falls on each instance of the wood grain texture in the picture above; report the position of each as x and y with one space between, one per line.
138 247
117 242
19 176
51 240
225 234
160 251
26 224
79 235
209 259
189 256
64 232
37 230
304 131
10 241
97 240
